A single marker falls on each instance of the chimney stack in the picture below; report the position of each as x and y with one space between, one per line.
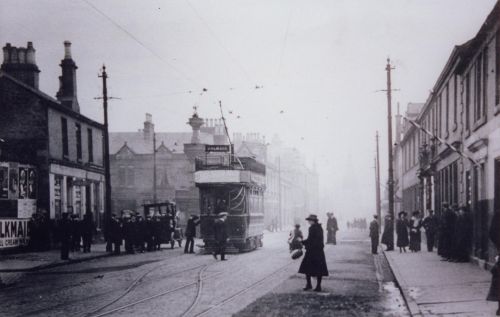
149 127
67 81
20 63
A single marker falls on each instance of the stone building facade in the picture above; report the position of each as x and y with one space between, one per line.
463 111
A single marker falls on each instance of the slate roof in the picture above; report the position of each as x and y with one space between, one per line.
140 144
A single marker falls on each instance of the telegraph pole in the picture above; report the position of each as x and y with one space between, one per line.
390 178
377 182
107 172
154 168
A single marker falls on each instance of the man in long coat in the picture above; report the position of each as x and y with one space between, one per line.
388 235
87 228
65 236
115 233
447 232
374 235
314 262
192 222
331 228
220 233
430 223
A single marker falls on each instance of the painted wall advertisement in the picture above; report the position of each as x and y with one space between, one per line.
18 193
13 232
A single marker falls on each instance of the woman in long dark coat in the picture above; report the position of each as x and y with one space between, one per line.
402 232
388 235
494 293
314 262
415 225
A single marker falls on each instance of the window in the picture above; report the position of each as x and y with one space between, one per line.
467 101
64 132
497 69
484 92
439 117
78 130
90 144
478 88
455 101
447 108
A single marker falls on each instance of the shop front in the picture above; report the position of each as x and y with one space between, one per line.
76 191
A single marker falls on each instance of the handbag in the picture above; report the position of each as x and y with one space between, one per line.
297 253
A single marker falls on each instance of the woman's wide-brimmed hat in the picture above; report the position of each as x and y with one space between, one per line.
402 213
312 218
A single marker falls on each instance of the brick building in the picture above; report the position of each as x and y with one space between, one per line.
51 134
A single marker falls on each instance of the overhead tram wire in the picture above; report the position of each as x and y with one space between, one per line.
141 43
212 33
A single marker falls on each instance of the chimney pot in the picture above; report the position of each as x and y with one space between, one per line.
67 50
30 54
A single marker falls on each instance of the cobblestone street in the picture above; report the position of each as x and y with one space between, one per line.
169 283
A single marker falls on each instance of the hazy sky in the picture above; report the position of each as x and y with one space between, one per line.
318 61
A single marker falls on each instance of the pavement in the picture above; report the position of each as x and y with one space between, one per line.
432 287
359 284
14 266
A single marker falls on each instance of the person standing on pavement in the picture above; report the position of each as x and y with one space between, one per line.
447 233
128 233
115 233
415 225
374 235
157 232
388 235
463 236
494 235
65 235
192 222
430 224
220 233
295 238
88 229
149 233
402 232
314 261
331 228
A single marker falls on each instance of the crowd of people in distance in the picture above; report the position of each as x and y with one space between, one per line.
451 232
141 235
357 223
75 232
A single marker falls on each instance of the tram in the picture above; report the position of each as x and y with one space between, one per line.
234 185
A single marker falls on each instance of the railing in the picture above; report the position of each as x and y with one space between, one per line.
228 162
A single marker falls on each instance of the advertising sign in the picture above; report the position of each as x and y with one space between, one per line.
13 232
4 182
32 185
23 183
217 148
13 183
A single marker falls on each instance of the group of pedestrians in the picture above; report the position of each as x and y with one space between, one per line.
75 235
357 223
140 235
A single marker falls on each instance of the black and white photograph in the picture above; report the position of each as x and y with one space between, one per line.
250 158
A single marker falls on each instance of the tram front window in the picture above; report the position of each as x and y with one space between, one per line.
230 199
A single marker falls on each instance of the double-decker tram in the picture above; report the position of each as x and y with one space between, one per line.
234 185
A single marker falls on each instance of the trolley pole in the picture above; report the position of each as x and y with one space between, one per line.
390 178
377 184
107 172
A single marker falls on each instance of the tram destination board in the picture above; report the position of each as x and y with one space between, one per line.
222 148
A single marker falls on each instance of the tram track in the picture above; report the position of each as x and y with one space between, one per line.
199 280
